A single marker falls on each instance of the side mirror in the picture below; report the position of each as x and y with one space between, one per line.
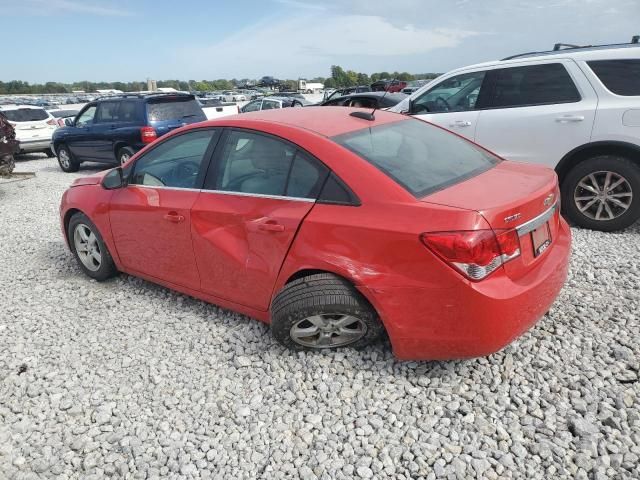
410 109
114 179
68 122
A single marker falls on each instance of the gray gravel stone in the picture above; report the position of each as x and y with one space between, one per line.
125 379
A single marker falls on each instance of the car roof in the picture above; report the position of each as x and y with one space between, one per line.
325 121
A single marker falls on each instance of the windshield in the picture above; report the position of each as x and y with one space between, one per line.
174 109
419 156
25 115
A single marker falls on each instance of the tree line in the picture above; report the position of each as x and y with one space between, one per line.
338 78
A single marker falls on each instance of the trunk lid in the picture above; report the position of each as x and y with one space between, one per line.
511 196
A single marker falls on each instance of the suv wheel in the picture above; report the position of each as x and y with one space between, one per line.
602 193
66 161
124 154
323 311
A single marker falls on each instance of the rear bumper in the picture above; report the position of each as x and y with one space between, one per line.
34 145
476 319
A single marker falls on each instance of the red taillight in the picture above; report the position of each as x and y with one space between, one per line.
52 121
61 122
475 253
148 134
238 108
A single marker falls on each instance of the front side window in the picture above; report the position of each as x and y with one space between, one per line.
174 163
621 77
420 157
253 163
455 94
252 106
86 117
532 85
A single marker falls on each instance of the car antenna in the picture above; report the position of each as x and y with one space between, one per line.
370 116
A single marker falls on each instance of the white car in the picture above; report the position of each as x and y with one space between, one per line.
233 97
34 127
575 109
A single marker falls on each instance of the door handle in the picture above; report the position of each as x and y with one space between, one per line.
271 226
174 217
570 118
460 123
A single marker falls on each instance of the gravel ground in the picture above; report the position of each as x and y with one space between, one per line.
126 379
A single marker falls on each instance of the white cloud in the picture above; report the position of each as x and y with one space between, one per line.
299 44
51 7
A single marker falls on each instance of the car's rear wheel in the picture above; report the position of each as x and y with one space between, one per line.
124 154
66 160
323 311
89 248
602 193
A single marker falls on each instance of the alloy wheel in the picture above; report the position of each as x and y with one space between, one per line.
124 158
328 330
603 195
65 159
87 247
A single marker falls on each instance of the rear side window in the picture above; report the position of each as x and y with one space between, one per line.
25 115
164 109
420 157
621 77
306 177
532 85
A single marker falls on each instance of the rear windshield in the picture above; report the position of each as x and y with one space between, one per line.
174 109
420 157
25 115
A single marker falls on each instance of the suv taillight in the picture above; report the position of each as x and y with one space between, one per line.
52 121
475 253
148 134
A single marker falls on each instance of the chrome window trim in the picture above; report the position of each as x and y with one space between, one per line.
536 222
224 192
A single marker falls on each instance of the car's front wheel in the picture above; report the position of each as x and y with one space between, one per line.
602 193
323 311
89 248
66 160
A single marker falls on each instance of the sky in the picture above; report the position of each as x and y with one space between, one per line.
120 40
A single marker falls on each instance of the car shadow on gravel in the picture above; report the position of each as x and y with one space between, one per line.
84 168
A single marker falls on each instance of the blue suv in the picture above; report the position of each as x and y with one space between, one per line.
111 129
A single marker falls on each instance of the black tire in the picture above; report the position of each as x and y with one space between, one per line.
621 166
107 267
124 154
322 294
49 153
66 160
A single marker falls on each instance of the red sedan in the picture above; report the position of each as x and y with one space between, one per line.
333 228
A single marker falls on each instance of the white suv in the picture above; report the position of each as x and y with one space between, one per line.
575 109
34 127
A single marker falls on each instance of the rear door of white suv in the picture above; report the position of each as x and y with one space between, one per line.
536 111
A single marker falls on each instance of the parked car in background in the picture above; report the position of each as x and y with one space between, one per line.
112 129
34 127
333 229
575 109
61 115
340 92
214 108
388 86
229 96
271 103
366 100
414 86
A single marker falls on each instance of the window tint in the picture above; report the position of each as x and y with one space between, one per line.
363 102
532 85
253 163
337 193
25 115
306 177
128 111
174 109
420 157
175 162
270 104
455 94
621 77
86 117
107 112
